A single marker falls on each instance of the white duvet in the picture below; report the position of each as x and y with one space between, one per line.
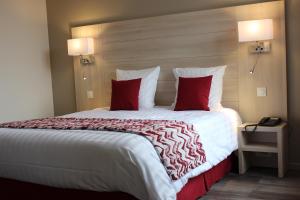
111 161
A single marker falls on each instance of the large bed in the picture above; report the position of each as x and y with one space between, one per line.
108 161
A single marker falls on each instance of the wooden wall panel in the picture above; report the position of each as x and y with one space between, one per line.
196 39
221 43
193 23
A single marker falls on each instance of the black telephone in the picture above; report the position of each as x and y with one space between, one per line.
269 121
265 121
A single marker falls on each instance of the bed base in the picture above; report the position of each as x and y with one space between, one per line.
194 189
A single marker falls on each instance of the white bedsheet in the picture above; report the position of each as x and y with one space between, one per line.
111 161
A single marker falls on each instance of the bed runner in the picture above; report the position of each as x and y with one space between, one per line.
176 142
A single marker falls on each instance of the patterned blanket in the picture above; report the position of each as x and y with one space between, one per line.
176 142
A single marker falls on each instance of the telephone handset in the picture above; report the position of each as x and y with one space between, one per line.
269 121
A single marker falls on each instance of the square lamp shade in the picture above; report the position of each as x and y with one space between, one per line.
255 30
80 46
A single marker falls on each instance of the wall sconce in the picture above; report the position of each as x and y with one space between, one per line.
258 31
83 47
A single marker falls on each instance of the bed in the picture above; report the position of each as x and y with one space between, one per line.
113 161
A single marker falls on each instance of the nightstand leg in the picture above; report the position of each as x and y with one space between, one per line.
280 165
243 164
282 154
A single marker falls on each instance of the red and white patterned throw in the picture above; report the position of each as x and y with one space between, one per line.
176 142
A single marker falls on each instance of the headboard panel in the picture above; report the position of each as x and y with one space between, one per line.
195 39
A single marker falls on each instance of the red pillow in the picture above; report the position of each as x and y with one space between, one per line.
193 93
125 94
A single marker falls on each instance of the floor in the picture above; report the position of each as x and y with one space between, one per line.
257 184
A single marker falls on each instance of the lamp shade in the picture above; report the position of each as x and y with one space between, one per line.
80 46
255 30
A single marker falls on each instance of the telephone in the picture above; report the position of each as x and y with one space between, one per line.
265 121
269 121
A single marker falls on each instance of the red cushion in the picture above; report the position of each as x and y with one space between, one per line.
125 94
193 93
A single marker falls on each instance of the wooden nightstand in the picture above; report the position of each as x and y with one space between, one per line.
248 144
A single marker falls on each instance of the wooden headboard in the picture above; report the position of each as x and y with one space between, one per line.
194 39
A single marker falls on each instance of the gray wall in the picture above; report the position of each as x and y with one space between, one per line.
25 76
293 61
67 13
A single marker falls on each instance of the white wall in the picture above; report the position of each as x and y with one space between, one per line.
25 76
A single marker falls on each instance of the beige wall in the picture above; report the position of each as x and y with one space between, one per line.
25 76
67 13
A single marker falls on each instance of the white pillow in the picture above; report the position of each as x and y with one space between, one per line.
215 96
148 85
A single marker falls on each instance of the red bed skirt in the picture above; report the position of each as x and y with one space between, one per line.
199 185
195 188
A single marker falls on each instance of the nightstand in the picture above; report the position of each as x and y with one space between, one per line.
247 143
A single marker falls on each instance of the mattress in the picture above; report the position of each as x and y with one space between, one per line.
112 161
